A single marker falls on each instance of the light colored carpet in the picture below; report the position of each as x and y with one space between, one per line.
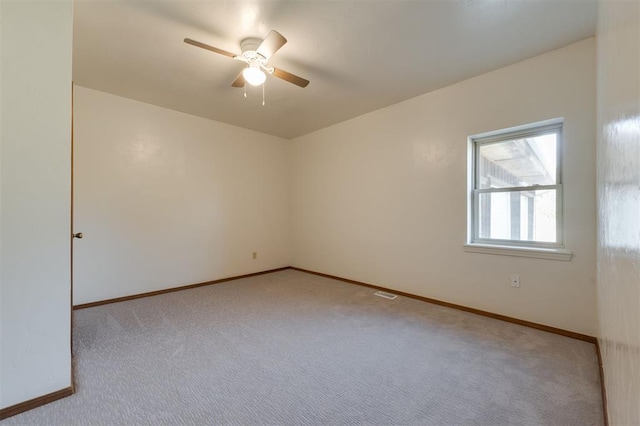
290 348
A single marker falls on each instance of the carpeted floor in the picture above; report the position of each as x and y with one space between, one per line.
290 348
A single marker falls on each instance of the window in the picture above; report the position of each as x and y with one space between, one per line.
516 187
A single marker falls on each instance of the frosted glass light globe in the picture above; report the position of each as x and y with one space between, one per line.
254 76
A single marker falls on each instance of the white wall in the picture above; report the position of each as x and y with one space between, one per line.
619 206
35 178
382 198
166 199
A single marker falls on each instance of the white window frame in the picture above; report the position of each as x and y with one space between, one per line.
547 250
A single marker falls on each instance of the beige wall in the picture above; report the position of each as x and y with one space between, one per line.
382 198
619 206
35 176
166 199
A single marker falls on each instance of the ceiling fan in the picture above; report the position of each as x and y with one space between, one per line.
256 54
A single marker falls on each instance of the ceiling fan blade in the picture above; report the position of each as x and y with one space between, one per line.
291 78
207 47
239 81
271 44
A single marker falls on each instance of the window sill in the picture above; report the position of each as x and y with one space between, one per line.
538 253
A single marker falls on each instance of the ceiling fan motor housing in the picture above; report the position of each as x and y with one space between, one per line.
249 47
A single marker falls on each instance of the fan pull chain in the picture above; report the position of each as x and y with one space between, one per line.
263 84
245 90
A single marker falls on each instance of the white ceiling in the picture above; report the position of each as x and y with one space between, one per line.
360 55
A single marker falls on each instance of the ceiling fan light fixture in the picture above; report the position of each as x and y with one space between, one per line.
256 54
254 75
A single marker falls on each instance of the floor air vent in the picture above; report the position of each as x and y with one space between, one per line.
386 295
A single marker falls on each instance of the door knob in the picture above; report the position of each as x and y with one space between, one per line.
78 235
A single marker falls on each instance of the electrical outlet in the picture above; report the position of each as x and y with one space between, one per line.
515 280
255 254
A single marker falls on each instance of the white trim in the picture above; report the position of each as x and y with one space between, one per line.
510 132
538 253
517 189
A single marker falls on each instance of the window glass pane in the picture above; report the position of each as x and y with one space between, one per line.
518 215
518 162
